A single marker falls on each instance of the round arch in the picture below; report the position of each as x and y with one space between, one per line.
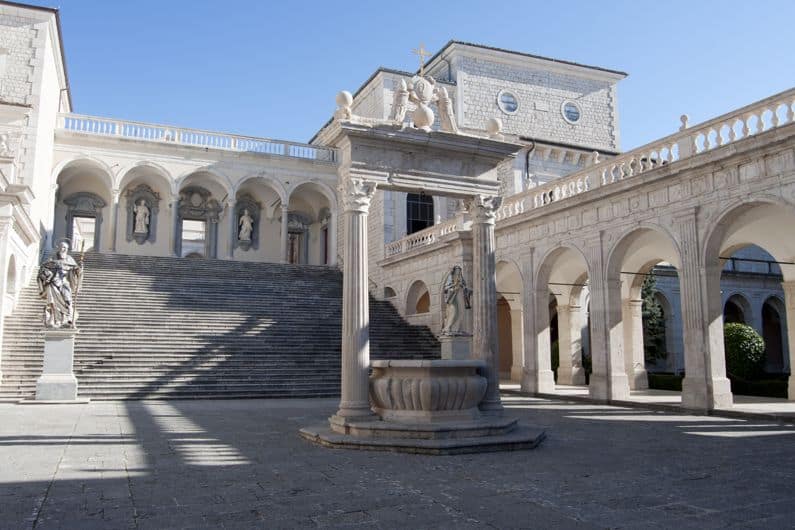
510 318
774 315
265 180
151 170
103 170
204 176
418 298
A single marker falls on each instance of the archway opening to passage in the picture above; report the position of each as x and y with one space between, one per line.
560 315
510 317
194 237
418 299
773 333
82 205
309 225
84 230
199 213
747 257
642 270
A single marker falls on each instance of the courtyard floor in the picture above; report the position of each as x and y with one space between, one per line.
241 464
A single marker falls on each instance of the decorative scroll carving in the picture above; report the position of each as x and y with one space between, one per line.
84 204
196 202
356 194
143 206
484 208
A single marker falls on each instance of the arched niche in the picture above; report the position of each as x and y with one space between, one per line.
143 208
247 222
418 299
298 224
197 204
84 205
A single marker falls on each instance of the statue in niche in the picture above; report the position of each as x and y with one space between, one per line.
400 102
5 149
456 300
141 213
246 225
59 281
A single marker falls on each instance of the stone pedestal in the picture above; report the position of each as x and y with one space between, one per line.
57 381
456 347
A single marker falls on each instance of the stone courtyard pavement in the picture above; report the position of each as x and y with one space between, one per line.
241 464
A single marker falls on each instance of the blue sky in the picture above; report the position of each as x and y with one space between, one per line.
273 68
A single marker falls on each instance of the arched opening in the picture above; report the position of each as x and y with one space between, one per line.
82 206
419 212
255 224
744 250
310 230
389 292
201 198
510 317
418 299
641 264
773 312
735 309
562 276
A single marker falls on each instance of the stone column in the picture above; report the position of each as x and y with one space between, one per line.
233 232
6 225
608 379
332 239
789 302
517 343
176 228
570 370
705 386
634 356
484 306
284 240
114 220
355 395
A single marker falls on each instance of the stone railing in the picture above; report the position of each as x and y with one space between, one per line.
763 115
769 113
191 137
428 236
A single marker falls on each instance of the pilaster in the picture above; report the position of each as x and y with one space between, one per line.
789 303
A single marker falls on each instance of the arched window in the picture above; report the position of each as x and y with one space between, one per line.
419 212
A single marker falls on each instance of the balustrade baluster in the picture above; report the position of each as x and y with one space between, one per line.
774 119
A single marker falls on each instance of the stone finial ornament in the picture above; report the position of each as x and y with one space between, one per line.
685 119
494 128
421 92
446 114
59 282
344 101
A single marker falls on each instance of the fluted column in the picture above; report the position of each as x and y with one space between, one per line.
484 316
355 398
6 225
789 302
705 386
284 238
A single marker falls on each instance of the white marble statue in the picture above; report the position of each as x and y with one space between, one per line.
456 300
59 282
246 225
5 149
141 212
446 114
400 102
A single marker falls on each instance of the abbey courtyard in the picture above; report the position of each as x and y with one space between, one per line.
459 304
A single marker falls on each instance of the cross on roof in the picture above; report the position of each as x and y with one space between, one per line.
422 53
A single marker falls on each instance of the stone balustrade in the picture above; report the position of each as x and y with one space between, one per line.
191 137
766 114
428 236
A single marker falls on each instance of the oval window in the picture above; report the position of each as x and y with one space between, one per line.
571 112
507 102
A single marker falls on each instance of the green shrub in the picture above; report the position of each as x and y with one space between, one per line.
745 350
665 381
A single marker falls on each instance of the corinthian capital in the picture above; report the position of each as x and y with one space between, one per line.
484 208
356 194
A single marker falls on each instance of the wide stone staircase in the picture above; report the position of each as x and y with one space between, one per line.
179 328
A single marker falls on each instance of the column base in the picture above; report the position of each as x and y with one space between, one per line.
578 376
541 383
516 374
457 347
491 408
609 388
639 380
696 396
56 387
791 386
564 376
